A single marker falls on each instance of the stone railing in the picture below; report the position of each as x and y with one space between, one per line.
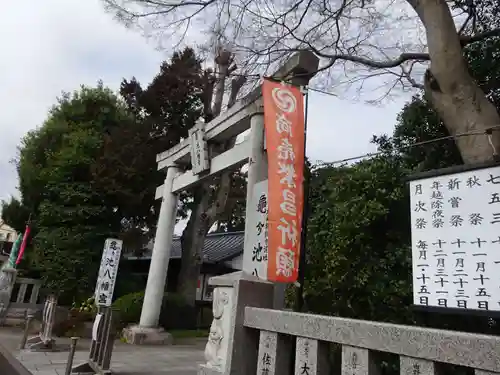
7 281
247 337
19 297
24 298
419 349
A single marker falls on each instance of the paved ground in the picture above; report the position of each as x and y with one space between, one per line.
126 359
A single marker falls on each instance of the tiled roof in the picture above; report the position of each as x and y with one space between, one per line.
217 247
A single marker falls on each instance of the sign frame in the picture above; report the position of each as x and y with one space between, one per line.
442 172
109 255
198 148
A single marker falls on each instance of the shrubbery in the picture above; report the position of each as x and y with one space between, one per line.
175 312
129 307
88 306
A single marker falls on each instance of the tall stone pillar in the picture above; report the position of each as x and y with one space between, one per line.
257 172
257 163
148 332
7 281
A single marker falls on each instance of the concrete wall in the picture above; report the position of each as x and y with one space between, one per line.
7 234
235 263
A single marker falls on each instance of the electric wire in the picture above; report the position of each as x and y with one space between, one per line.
306 88
486 132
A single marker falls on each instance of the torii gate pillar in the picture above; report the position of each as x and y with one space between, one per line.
159 259
148 332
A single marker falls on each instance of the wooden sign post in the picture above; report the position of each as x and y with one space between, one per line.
103 330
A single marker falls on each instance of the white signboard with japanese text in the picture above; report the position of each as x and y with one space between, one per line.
255 259
455 227
199 149
108 271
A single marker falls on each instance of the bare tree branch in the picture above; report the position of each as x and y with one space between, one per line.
236 85
407 74
382 64
465 40
353 38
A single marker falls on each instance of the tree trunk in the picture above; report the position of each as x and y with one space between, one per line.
192 240
462 105
203 216
205 213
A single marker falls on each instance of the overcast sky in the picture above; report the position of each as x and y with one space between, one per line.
52 46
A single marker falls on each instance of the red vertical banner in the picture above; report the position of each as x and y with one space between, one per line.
23 244
284 126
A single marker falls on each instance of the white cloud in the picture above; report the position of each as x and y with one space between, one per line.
56 45
339 129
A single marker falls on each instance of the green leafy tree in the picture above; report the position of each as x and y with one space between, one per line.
15 214
163 113
90 171
419 123
56 182
355 242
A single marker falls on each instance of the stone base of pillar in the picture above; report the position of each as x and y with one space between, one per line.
205 370
37 344
138 335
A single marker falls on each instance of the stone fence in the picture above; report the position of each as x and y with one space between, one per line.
24 299
248 337
419 349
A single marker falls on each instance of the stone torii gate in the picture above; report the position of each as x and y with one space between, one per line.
245 114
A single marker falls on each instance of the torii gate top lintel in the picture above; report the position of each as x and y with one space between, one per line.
300 68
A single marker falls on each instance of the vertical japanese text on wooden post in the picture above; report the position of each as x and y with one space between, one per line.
255 262
108 271
198 149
